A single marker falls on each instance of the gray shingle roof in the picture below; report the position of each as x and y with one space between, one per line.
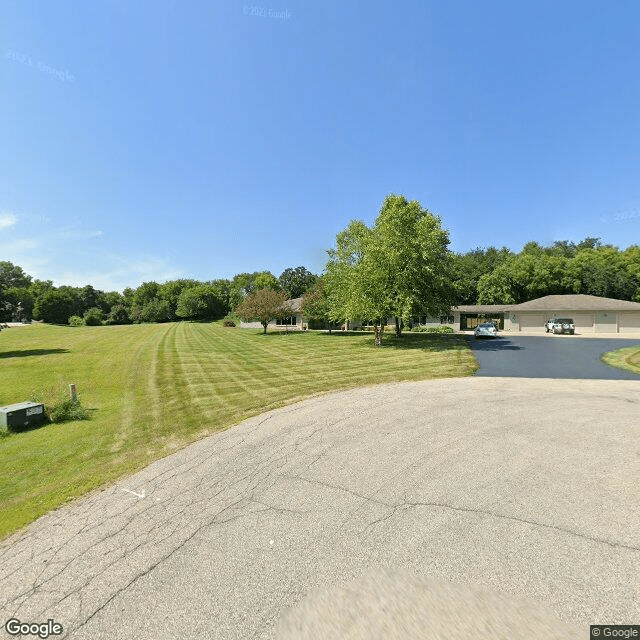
293 305
482 308
576 302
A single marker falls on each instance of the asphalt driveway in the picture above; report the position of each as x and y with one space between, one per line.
549 356
509 487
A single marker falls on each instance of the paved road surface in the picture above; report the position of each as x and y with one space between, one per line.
508 486
549 356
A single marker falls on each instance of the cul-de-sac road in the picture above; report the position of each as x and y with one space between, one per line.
432 509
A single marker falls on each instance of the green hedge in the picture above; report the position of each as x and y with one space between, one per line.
441 329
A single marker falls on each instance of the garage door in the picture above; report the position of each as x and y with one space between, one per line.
532 322
583 322
606 322
629 323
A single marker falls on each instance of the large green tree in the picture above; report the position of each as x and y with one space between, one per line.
12 275
316 304
55 307
400 267
601 272
263 305
245 283
296 281
202 302
171 291
469 267
631 257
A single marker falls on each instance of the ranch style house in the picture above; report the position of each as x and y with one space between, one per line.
590 314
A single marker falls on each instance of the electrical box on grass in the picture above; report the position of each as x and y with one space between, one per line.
20 415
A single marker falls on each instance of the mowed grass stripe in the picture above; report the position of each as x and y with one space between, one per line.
229 366
154 388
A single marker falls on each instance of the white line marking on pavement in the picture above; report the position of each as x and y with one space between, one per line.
140 495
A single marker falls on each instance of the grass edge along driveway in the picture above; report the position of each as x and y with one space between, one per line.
627 358
153 389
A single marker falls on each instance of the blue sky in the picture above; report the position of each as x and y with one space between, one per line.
157 140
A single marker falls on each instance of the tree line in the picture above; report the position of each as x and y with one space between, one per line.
23 298
400 267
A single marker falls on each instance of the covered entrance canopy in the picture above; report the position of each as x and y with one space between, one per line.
471 315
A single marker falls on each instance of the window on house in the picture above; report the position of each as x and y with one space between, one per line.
446 319
289 321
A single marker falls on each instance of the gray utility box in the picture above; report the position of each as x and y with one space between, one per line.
23 414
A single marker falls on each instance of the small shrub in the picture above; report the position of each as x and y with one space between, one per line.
228 323
67 410
76 321
441 329
93 317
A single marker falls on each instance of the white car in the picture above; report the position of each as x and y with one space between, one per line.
486 330
560 325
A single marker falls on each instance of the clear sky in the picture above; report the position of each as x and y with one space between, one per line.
153 140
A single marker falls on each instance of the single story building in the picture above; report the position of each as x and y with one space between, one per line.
291 318
590 314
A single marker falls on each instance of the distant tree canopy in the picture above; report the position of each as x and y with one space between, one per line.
202 302
245 283
55 307
296 281
12 275
590 268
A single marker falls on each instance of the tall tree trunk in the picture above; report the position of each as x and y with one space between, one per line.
378 330
399 325
264 324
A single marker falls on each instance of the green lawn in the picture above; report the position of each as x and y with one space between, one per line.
152 389
627 358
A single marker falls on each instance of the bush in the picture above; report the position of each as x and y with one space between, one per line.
93 317
76 321
440 329
232 317
67 410
228 323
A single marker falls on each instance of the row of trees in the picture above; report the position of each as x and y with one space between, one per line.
400 268
23 298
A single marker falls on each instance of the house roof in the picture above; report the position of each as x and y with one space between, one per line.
575 302
293 305
482 308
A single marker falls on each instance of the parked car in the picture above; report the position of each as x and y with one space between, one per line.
486 330
560 325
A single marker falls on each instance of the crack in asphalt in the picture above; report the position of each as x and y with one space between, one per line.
502 516
156 564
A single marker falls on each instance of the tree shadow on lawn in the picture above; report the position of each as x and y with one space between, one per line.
422 341
31 352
